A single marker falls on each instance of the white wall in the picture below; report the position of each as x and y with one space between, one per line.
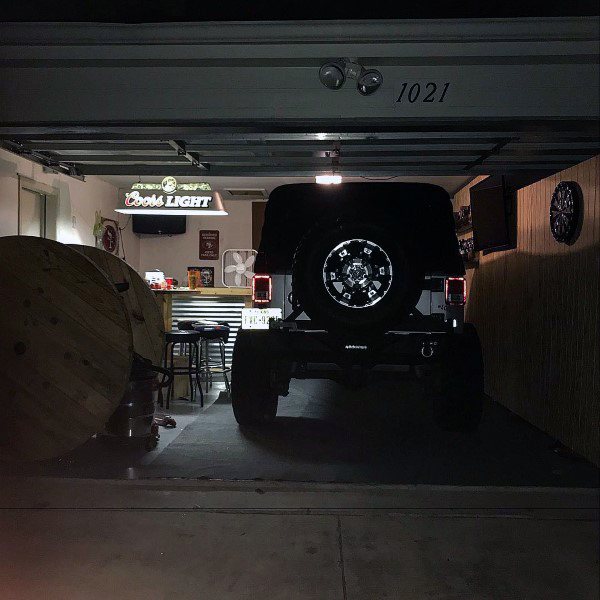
175 254
76 199
82 199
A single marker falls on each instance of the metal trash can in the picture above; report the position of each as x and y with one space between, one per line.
134 417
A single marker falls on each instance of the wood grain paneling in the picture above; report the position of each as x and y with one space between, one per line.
66 348
537 311
139 300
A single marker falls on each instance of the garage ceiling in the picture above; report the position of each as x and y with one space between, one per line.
415 150
244 99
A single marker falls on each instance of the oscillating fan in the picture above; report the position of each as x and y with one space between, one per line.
238 267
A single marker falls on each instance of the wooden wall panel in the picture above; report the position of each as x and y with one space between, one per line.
537 311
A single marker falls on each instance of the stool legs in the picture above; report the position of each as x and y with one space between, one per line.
207 373
198 369
171 390
192 370
207 366
222 348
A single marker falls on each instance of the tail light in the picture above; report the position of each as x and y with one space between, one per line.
456 291
262 289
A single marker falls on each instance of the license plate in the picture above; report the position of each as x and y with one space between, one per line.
258 318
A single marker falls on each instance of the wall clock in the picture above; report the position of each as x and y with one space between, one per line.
565 211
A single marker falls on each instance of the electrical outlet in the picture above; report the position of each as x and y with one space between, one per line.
73 221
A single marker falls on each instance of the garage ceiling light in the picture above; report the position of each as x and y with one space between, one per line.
328 179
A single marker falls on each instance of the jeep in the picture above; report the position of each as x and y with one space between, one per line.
354 282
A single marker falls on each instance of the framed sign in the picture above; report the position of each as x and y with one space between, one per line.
200 277
207 276
209 245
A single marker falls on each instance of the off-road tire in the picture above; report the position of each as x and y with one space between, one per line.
252 398
459 398
309 288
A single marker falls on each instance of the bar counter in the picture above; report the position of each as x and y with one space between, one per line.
216 304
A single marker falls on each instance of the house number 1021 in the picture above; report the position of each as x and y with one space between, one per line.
427 92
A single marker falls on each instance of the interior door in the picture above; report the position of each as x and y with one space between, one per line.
32 213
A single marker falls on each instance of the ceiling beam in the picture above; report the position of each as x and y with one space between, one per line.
376 170
313 130
192 157
53 165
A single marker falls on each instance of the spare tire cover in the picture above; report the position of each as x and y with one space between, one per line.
352 277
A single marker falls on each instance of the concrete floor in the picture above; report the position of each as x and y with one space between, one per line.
148 539
496 515
325 433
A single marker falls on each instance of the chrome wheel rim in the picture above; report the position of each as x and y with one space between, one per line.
357 273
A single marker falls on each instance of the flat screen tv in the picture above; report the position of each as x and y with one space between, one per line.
159 224
491 213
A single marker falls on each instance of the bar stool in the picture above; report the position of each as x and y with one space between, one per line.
213 332
188 346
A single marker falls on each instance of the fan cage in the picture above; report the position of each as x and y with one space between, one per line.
228 260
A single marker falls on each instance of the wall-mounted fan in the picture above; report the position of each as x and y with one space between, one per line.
238 267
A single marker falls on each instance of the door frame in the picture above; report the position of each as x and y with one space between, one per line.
51 195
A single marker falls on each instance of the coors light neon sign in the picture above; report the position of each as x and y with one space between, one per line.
166 201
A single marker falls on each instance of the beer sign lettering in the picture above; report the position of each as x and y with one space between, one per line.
142 199
135 199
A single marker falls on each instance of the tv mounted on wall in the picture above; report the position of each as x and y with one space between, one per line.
159 224
493 213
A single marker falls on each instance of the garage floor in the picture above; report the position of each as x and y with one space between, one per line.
494 515
380 434
82 539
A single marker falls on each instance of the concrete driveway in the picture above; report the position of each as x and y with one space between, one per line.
213 540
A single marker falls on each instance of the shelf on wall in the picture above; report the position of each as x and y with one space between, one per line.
464 229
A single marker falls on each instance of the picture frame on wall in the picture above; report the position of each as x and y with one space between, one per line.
201 277
207 277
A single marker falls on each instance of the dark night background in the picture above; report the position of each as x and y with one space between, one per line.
144 11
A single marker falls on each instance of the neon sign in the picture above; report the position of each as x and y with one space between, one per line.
136 201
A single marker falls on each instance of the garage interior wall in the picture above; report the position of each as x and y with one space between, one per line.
173 254
79 199
536 308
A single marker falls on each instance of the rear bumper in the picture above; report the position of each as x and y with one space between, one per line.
310 353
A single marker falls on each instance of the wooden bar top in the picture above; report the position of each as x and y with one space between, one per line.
165 298
209 291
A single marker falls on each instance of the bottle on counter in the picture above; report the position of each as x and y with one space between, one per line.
194 278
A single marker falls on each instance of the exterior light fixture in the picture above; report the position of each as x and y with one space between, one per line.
333 75
328 179
369 82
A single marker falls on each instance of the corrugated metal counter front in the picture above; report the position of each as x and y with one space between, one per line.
216 304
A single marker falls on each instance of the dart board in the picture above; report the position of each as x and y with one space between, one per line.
565 211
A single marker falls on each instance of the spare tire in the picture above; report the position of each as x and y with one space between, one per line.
353 277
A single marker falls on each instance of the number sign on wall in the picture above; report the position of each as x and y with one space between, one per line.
412 92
